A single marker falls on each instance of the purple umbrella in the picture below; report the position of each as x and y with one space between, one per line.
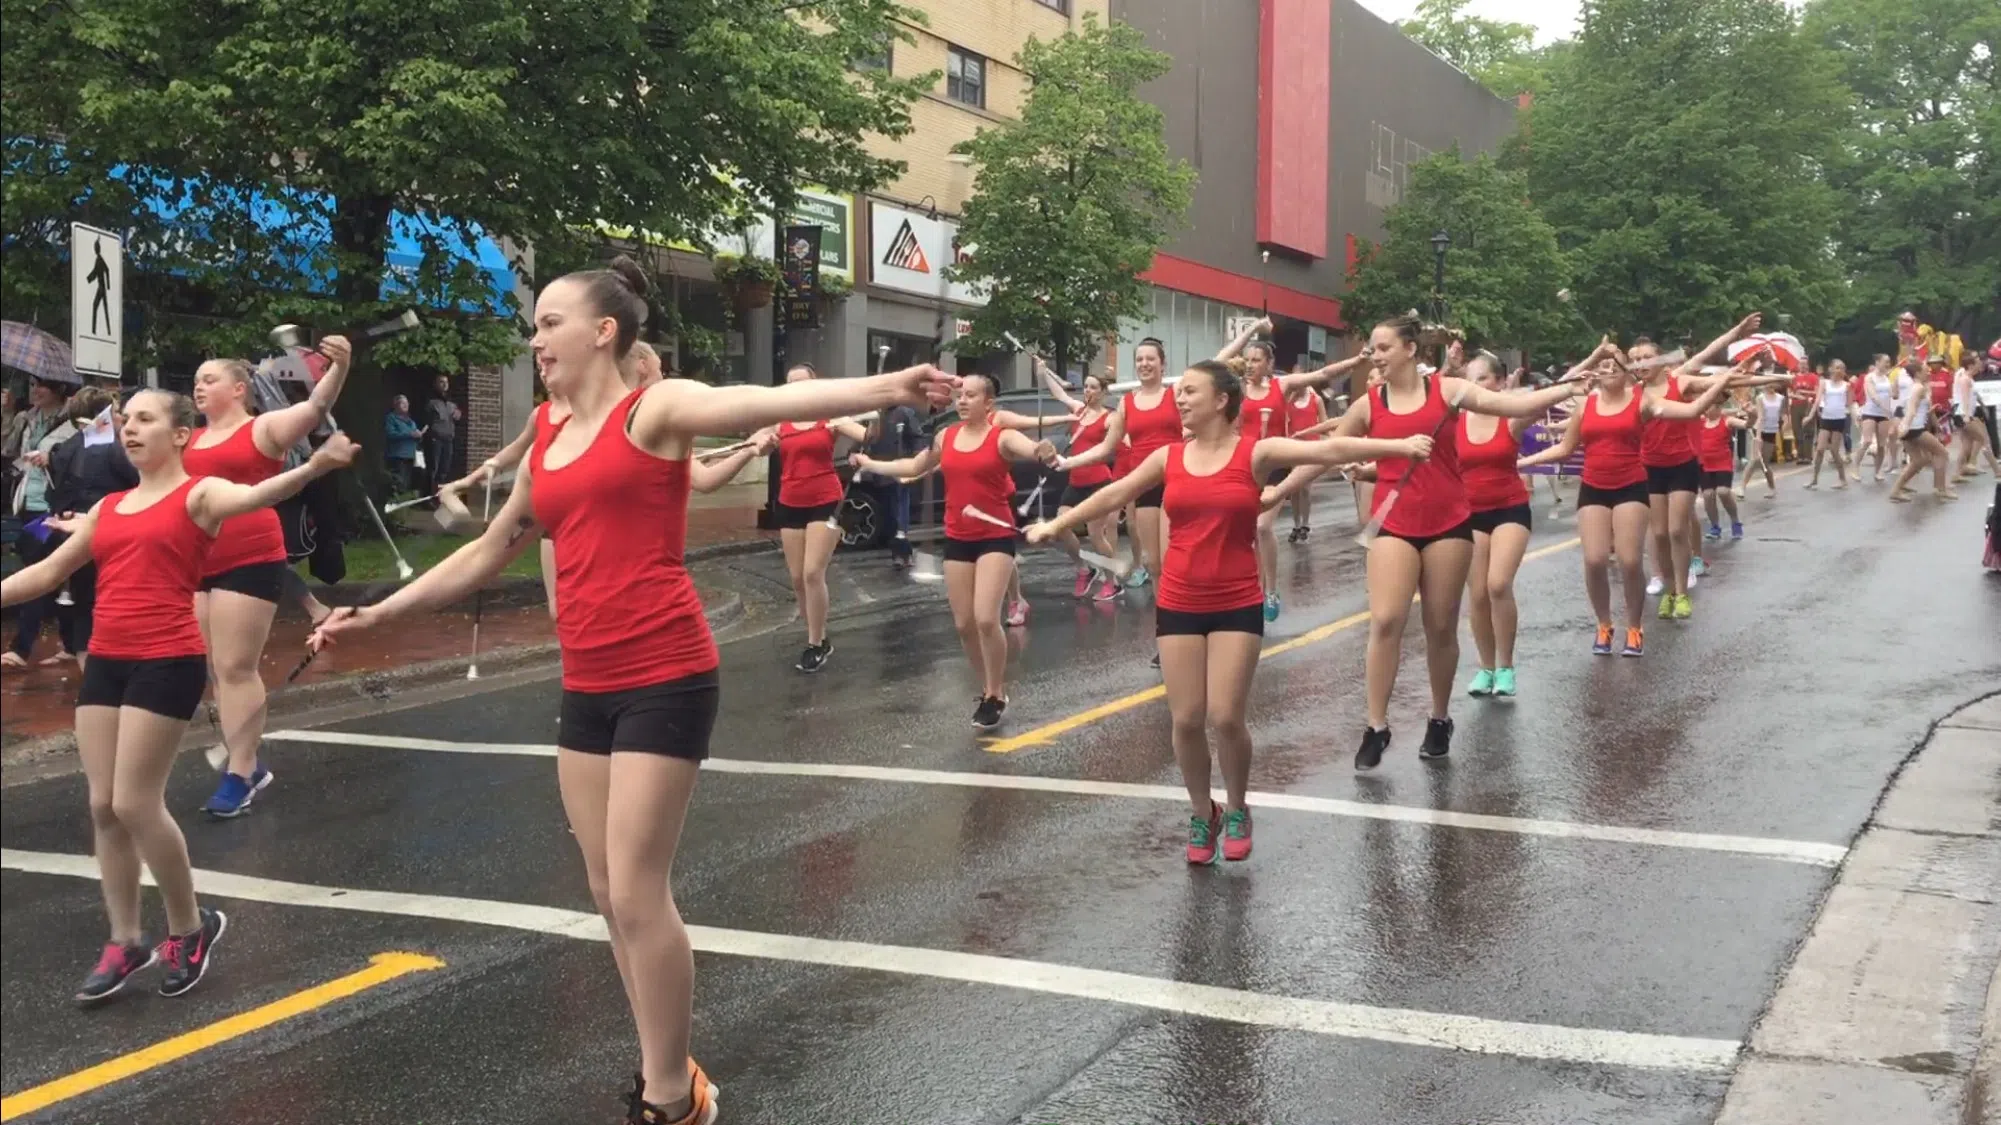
27 348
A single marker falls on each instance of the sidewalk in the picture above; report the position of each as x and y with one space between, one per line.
37 704
1891 1011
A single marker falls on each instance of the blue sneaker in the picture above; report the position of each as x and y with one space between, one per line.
1736 530
1713 534
1271 607
234 794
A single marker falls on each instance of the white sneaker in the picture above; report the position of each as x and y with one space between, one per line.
1692 576
1655 586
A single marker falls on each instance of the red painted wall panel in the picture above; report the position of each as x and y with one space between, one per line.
1295 92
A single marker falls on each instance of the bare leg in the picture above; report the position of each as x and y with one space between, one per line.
147 743
237 626
819 550
1629 537
649 796
1442 578
1268 551
1184 671
117 855
1393 569
960 592
585 783
1479 613
1505 549
1149 537
1232 659
1680 517
1594 527
994 575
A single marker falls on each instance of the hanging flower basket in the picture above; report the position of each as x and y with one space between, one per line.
748 283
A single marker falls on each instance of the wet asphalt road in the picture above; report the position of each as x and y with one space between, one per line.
1361 968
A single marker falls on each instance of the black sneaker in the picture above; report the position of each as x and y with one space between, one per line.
114 968
187 957
1155 661
1374 742
815 656
1437 739
987 715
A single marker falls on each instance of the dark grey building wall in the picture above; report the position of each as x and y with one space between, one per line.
1393 102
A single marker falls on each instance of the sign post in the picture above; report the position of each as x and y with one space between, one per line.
97 299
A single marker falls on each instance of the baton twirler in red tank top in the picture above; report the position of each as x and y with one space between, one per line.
979 477
1612 445
628 615
1212 556
149 564
806 477
1488 468
1432 499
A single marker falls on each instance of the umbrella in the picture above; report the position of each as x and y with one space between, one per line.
1787 351
30 349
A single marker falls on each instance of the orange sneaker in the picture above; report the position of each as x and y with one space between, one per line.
1636 642
1603 645
701 1098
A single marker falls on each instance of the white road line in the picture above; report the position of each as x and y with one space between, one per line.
1442 1030
1786 851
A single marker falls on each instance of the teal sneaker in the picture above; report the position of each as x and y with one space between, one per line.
1504 681
1482 685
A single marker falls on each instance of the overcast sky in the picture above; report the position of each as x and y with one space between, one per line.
1553 19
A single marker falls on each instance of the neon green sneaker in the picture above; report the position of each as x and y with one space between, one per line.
1682 607
1504 681
1667 606
1482 685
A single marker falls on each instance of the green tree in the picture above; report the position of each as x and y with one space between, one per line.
1502 271
1680 157
1498 54
1919 174
285 136
1070 202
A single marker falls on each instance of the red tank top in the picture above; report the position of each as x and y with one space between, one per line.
1488 468
1668 442
1612 445
1302 413
806 477
1212 554
627 614
254 537
1084 437
149 564
1262 416
1433 501
980 478
1122 461
1713 446
1150 429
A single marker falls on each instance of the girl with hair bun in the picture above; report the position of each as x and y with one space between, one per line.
610 483
244 577
1209 614
146 673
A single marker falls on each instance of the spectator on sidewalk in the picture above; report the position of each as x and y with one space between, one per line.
47 427
898 432
441 431
399 442
90 465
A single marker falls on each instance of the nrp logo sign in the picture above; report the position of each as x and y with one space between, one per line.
908 252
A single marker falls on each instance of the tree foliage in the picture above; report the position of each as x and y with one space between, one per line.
1680 155
1919 173
1499 54
282 137
1070 202
1502 270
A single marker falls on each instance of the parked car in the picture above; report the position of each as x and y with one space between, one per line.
865 517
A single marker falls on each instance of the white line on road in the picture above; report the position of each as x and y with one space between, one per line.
1442 1030
1788 851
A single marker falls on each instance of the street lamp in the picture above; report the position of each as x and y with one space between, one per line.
1440 242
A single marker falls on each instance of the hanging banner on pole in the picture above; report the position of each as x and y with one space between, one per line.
801 269
97 299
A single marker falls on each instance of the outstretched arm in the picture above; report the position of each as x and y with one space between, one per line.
687 407
48 575
1115 433
1693 364
1287 384
1509 404
1564 447
214 499
279 430
902 468
1235 347
707 476
1106 500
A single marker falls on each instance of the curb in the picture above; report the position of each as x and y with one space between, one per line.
1890 1010
378 687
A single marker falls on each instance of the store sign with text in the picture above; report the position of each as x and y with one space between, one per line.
833 214
909 249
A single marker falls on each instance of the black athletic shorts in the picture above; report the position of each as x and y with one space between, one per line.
1152 497
790 518
1075 494
1718 478
674 718
1492 518
1834 425
167 685
264 581
1685 477
1921 431
1463 531
1592 497
970 550
1175 623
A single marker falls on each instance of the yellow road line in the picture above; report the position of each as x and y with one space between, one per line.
382 968
1047 733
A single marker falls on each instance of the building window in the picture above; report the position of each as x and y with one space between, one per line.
880 60
966 78
1062 6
